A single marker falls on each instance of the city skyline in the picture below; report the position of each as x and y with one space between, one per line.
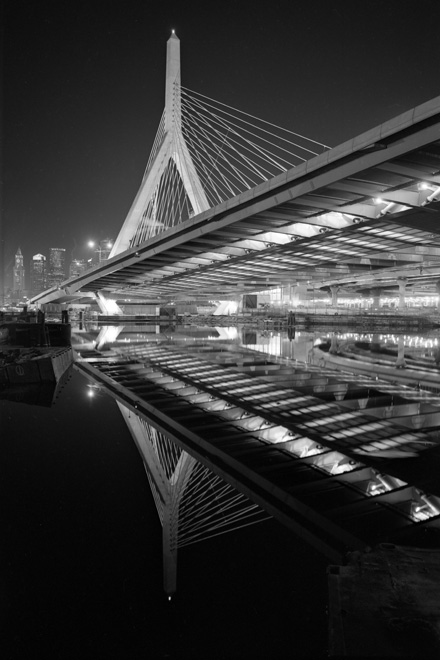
72 265
37 276
84 93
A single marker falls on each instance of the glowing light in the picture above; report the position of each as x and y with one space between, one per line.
378 200
93 390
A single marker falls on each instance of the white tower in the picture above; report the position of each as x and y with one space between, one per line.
170 166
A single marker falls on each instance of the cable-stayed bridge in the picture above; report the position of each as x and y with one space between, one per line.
230 204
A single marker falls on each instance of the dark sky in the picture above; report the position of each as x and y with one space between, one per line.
83 91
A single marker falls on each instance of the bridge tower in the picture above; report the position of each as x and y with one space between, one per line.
170 159
192 502
168 485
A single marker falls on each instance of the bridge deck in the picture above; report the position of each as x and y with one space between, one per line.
374 197
305 443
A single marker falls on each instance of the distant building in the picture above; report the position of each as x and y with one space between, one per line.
102 250
38 274
18 285
105 247
77 267
57 267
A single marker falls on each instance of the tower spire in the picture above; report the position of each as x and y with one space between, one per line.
172 81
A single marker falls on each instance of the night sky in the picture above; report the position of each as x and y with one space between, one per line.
83 91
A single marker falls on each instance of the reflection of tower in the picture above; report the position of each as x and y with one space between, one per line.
18 287
57 268
192 502
38 274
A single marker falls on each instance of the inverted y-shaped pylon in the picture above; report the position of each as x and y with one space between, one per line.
171 190
193 503
167 487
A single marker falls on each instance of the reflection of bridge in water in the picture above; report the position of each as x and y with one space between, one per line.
341 459
192 502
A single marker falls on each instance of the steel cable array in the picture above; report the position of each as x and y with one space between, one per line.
224 150
206 506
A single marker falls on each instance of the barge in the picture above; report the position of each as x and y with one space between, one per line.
33 365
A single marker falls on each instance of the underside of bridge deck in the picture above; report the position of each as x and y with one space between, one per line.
363 215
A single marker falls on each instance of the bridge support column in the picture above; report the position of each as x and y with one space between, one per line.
400 361
376 298
298 294
334 289
107 305
334 344
247 302
402 282
375 343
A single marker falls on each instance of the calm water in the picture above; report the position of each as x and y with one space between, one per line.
81 542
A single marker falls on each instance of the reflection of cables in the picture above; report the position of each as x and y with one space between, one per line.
202 504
